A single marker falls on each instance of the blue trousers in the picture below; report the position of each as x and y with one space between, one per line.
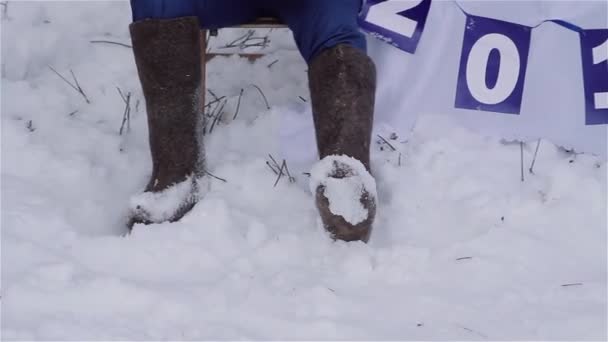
316 24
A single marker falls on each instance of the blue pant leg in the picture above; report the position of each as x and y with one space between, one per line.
320 24
210 13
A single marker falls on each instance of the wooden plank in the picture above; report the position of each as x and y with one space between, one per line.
267 22
252 57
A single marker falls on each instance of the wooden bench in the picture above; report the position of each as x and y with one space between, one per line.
262 22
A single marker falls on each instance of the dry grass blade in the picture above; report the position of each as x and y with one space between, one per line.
531 169
263 96
214 101
272 168
279 176
387 143
291 179
30 126
279 169
216 177
273 63
217 116
238 105
572 284
521 151
110 42
75 86
126 117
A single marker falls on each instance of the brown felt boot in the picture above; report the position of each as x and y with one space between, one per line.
342 83
168 58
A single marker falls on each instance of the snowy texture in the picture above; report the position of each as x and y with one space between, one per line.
163 205
461 249
344 194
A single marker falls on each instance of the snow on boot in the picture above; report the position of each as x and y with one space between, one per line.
345 194
342 82
168 58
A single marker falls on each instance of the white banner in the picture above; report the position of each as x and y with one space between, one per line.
535 69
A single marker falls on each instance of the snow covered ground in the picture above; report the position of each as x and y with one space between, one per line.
462 249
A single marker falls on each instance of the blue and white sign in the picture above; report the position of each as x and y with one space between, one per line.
594 50
493 65
398 22
479 62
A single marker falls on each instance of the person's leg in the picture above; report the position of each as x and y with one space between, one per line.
168 48
210 13
167 55
320 24
342 81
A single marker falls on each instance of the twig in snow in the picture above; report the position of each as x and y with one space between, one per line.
110 42
291 179
273 63
275 166
473 331
272 168
572 284
238 105
303 99
217 116
521 149
214 101
30 126
216 177
279 177
211 114
534 159
73 113
387 143
399 161
279 170
76 86
263 96
126 117
464 258
121 95
212 94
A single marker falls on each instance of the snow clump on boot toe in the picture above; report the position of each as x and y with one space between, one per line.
161 206
345 181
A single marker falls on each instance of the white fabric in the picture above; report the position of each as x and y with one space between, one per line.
553 105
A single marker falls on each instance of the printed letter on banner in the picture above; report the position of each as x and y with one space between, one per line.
492 65
594 48
398 22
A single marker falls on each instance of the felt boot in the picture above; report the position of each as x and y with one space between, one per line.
168 58
342 82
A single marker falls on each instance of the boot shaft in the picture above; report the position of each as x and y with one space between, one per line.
168 57
342 84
